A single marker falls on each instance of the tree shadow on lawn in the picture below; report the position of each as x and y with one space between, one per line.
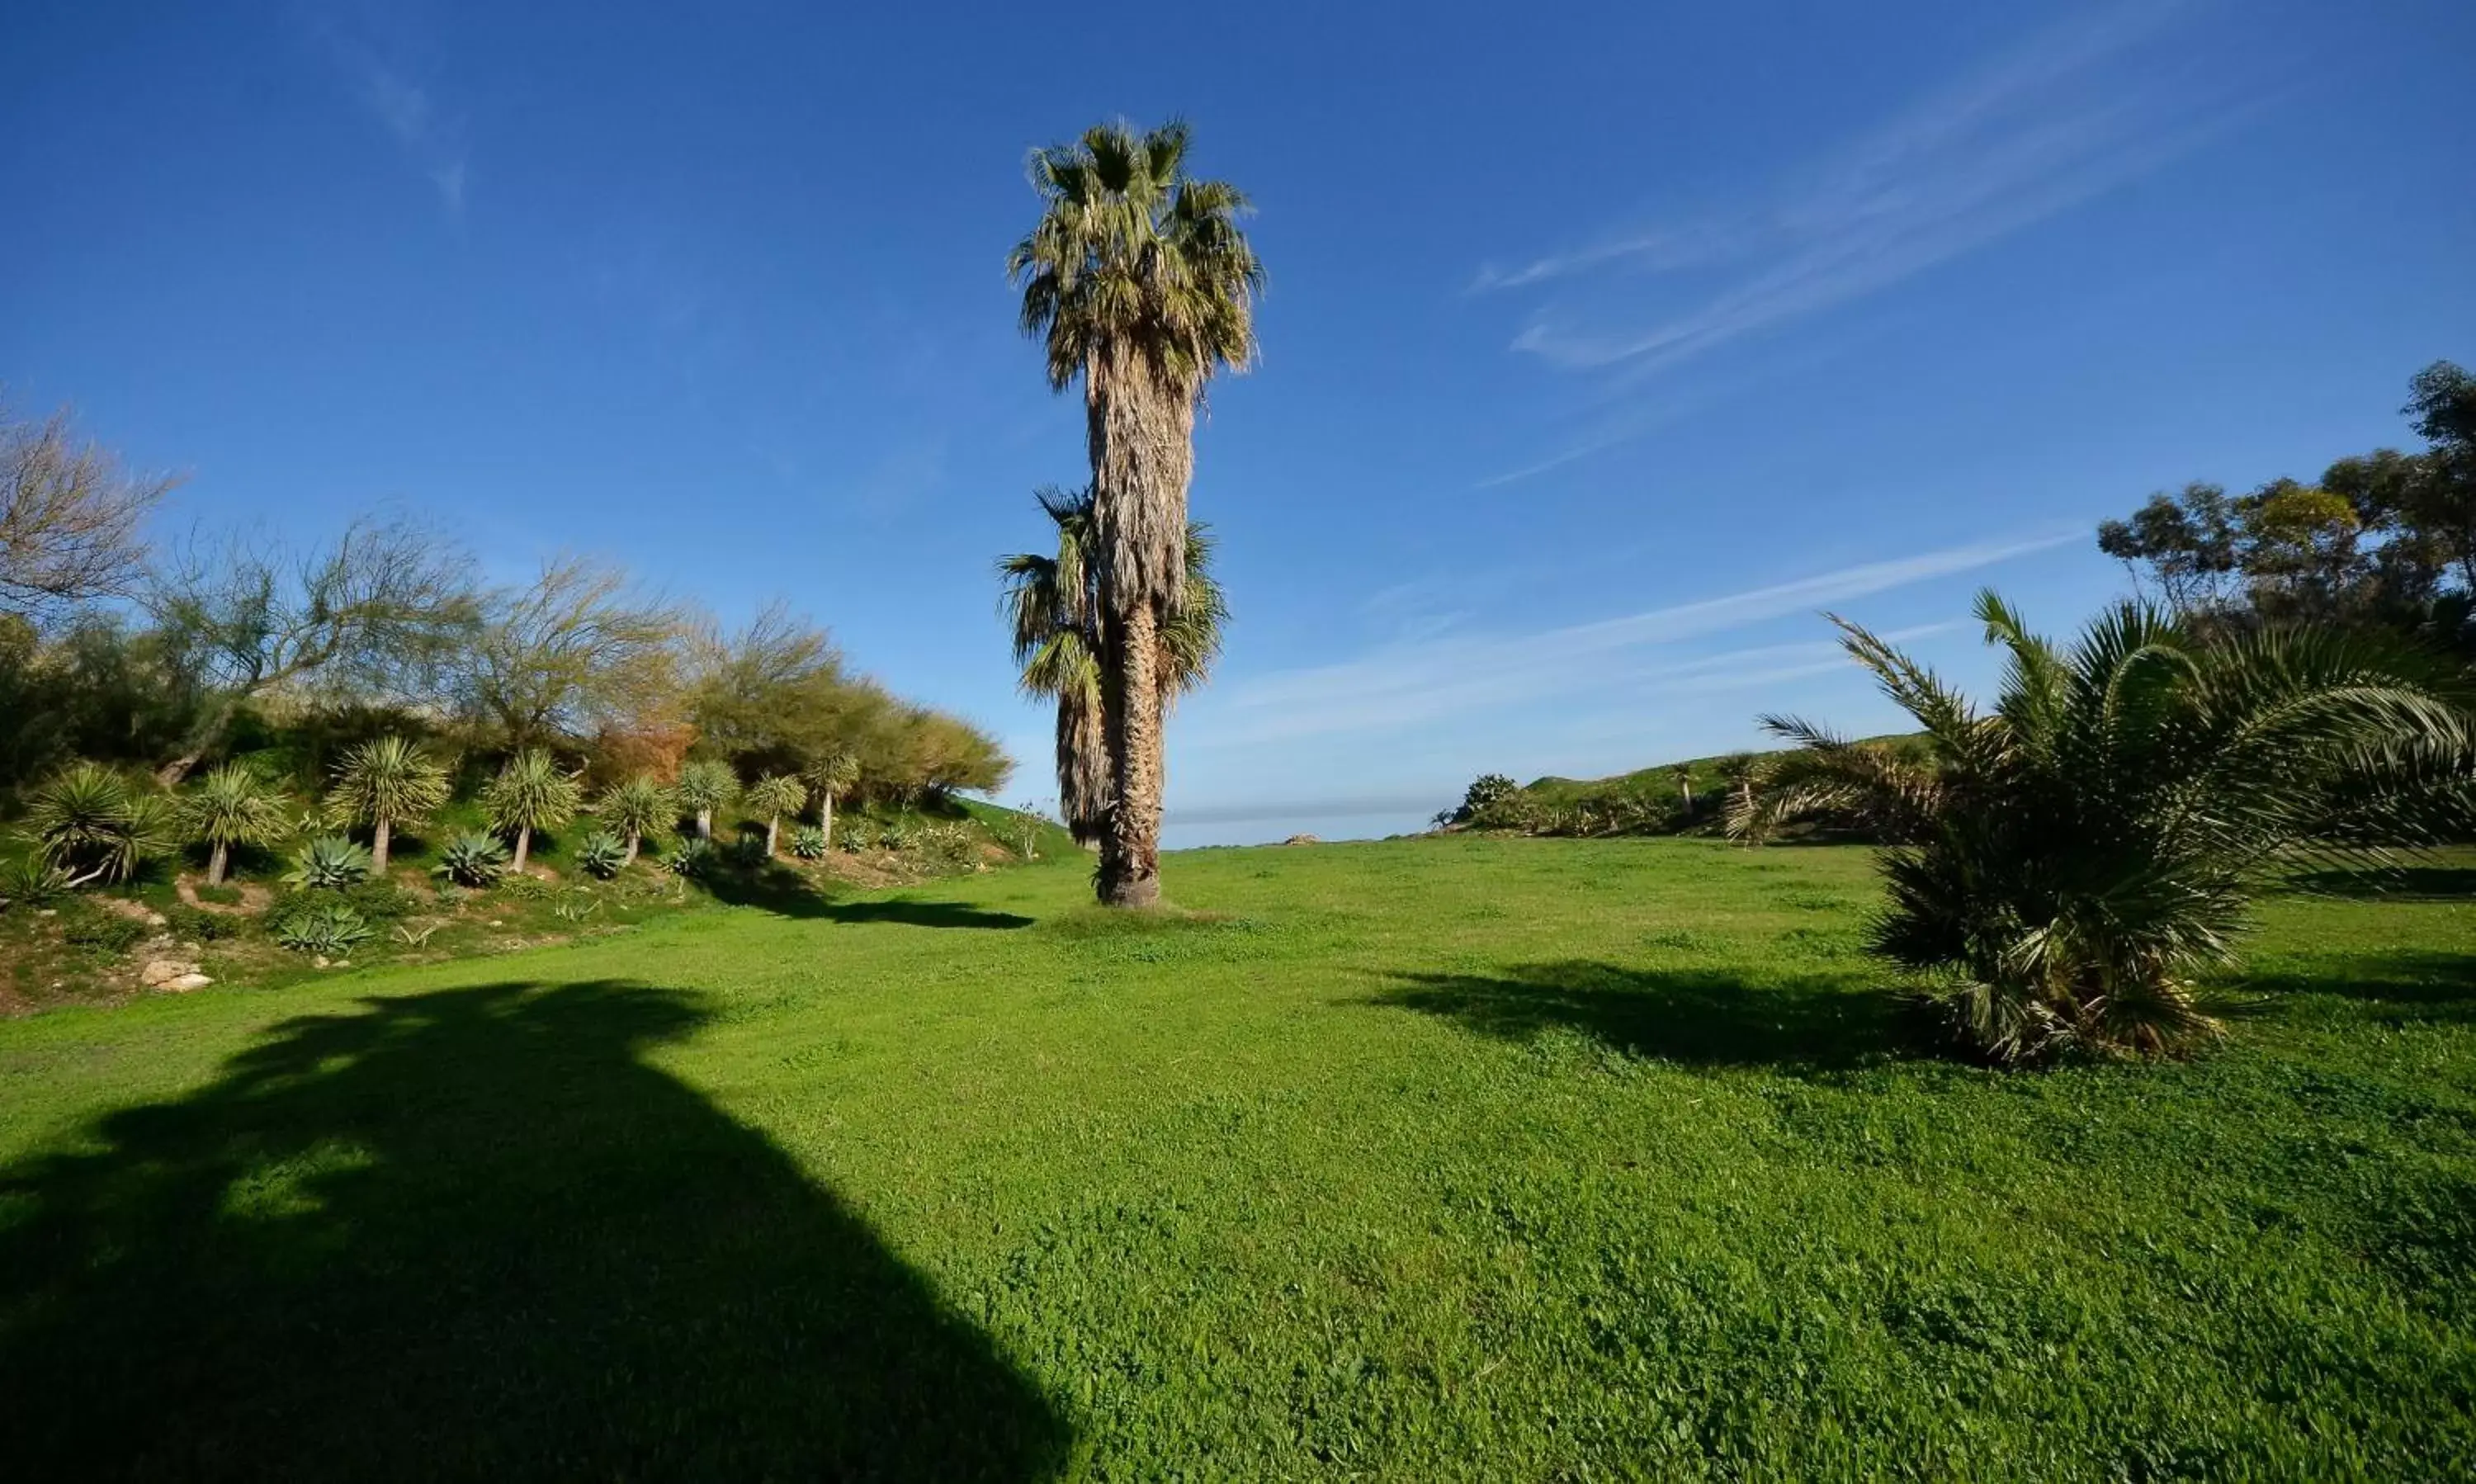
1698 1017
2397 883
2399 985
474 1234
789 894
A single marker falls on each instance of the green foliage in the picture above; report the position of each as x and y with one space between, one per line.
692 859
32 881
2067 863
381 901
192 924
84 925
775 793
808 842
600 853
321 926
1486 790
530 791
98 826
705 786
473 859
389 778
232 806
329 863
638 806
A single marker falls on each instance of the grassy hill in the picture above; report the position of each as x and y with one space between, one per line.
1453 1158
1656 782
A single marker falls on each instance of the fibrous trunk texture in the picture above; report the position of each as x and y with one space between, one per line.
1083 791
380 832
215 861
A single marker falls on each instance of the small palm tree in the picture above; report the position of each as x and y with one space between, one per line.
96 826
1740 770
530 793
774 796
2067 862
1053 605
384 783
704 786
1684 771
635 810
830 778
232 805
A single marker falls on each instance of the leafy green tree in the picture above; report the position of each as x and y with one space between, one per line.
636 808
384 782
1052 605
705 786
530 792
831 777
2069 861
96 826
232 806
1139 281
774 796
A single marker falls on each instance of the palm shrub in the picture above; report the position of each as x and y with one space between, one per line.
774 796
530 793
96 826
32 883
384 782
232 805
330 863
636 808
2063 865
473 859
600 854
704 786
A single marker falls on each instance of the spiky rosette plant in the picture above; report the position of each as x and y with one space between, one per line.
530 792
96 826
774 796
636 808
2066 864
384 783
704 786
232 806
830 778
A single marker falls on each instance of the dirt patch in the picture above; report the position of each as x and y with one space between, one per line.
254 898
135 911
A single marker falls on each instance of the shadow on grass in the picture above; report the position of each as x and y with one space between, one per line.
785 891
474 1234
2399 984
1699 1017
2398 883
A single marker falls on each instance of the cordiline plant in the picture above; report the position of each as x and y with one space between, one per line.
2065 865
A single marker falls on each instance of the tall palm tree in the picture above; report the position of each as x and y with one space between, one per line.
2067 862
530 793
774 796
232 805
1052 605
637 808
1139 281
830 778
384 783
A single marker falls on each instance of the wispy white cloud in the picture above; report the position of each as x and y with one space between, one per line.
432 140
1412 683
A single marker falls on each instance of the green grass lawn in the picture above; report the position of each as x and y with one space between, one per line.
1451 1158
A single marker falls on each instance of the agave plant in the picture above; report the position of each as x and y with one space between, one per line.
384 783
600 854
635 810
704 786
329 927
473 859
808 842
774 796
693 858
232 805
530 793
329 863
2066 864
96 826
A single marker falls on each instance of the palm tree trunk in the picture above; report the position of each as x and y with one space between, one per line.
634 840
704 824
523 846
380 834
1130 850
216 862
773 833
826 814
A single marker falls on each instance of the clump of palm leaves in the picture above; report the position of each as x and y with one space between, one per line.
774 796
830 778
473 859
322 928
2066 864
636 808
232 805
704 786
329 863
32 883
808 842
95 826
530 792
384 783
600 854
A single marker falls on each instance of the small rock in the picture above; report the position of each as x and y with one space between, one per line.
185 983
47 912
318 961
159 972
188 948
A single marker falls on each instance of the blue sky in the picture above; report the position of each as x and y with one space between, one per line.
1607 345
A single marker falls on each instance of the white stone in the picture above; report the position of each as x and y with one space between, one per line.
185 983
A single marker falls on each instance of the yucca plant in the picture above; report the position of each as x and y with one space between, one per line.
774 796
96 826
32 883
811 842
635 810
329 863
2066 864
830 778
232 806
384 783
530 793
600 854
704 786
473 859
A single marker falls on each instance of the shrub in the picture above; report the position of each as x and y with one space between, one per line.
379 901
98 826
327 927
473 859
1486 789
808 843
600 854
330 863
527 888
32 883
951 847
693 858
87 925
196 926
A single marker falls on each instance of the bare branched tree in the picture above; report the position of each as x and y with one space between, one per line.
70 518
575 650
